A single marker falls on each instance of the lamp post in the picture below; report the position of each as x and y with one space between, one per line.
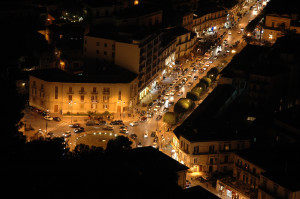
47 120
71 104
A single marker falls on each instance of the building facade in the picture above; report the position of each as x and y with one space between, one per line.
208 156
245 181
67 97
277 25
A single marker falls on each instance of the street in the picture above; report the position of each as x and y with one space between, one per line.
221 55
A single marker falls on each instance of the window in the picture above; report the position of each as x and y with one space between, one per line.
94 90
105 98
113 46
105 53
113 55
70 90
105 44
106 91
82 98
227 147
97 43
97 52
94 98
105 106
70 97
211 149
56 92
264 185
195 160
196 149
82 89
226 158
120 95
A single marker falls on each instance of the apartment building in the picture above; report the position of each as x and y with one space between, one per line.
263 172
64 93
185 40
208 20
204 146
134 50
245 180
281 19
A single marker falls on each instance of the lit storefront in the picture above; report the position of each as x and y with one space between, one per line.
143 93
228 189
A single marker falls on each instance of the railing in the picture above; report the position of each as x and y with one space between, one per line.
106 92
82 92
94 92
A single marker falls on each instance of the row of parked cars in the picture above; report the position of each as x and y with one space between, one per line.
45 114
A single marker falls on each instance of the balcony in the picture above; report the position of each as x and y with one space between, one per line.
94 92
82 92
205 153
106 92
94 101
70 92
247 170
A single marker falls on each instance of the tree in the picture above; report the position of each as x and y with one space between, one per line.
170 118
193 96
201 85
183 105
206 81
212 73
117 145
13 140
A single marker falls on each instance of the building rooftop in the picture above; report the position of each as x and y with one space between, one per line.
201 124
255 60
138 11
149 157
268 159
290 116
113 75
123 34
199 192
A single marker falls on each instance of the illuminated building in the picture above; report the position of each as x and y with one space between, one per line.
61 92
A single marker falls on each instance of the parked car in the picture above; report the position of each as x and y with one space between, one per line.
133 136
75 125
154 145
158 117
50 135
117 122
67 134
143 119
146 134
139 144
102 122
150 104
125 131
47 117
57 119
134 123
78 130
90 123
153 134
108 128
171 103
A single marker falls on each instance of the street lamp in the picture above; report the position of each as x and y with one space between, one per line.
71 104
47 120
